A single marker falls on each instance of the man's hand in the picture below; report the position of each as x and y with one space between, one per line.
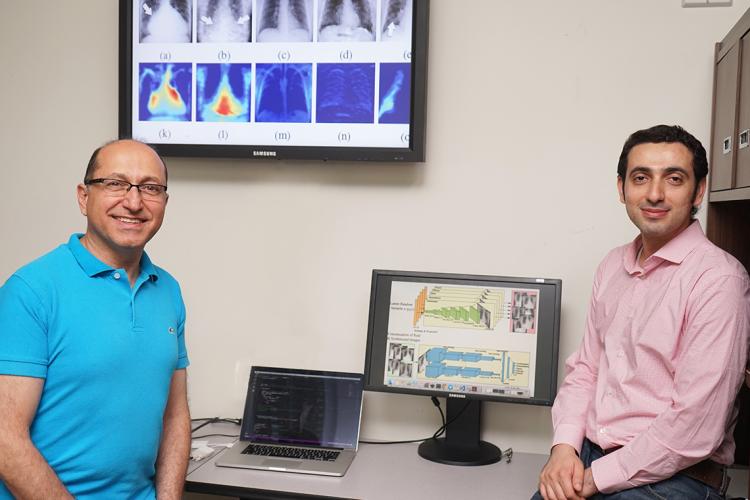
562 477
589 487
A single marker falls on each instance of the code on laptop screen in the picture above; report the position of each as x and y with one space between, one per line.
303 408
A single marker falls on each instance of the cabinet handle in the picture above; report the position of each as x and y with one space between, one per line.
727 145
744 138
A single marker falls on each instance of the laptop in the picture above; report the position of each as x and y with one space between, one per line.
304 421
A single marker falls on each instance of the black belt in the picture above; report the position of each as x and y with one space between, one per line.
708 472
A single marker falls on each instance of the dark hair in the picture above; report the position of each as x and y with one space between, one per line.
671 134
666 133
94 160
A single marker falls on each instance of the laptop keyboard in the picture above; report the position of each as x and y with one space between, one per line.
287 452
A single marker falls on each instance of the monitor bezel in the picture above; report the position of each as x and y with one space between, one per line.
382 387
418 119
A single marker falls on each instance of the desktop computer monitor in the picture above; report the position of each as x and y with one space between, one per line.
466 338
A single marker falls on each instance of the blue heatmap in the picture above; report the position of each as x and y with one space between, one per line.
395 93
164 91
283 93
223 92
345 93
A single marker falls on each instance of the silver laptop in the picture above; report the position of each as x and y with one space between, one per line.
304 421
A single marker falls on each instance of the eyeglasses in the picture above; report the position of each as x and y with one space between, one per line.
118 187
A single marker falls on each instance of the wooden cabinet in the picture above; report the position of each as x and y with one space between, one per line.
730 131
724 145
728 224
729 197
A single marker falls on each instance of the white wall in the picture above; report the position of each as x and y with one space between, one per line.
529 104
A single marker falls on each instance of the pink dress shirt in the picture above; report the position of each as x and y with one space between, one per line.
662 358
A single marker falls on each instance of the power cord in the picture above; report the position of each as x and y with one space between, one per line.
213 420
437 434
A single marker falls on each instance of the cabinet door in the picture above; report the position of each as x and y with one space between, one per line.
742 168
723 145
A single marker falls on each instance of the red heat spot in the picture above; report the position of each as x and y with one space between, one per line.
224 107
173 93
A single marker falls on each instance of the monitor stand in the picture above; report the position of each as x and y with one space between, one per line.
461 444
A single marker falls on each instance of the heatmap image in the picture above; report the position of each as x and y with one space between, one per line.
223 92
345 93
164 91
283 93
395 100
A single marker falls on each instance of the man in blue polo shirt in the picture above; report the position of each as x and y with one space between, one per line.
93 400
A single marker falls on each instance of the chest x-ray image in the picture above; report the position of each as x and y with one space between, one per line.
285 20
396 16
347 20
166 21
226 21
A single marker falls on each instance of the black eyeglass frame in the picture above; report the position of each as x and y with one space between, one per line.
130 185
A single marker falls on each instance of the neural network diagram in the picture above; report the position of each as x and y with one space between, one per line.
223 92
454 364
165 92
475 338
459 307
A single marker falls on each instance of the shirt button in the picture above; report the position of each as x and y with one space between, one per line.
620 354
602 430
116 276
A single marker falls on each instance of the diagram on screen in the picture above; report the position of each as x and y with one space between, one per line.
524 311
458 307
469 365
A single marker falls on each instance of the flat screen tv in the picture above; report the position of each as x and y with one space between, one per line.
469 339
284 79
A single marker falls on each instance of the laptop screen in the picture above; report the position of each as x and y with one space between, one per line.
303 407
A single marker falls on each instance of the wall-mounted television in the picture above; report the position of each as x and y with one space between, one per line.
467 338
284 79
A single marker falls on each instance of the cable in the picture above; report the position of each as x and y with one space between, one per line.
222 435
213 420
437 434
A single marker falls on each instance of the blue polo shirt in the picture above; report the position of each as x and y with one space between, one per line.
107 353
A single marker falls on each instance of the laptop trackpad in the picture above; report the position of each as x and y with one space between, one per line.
281 464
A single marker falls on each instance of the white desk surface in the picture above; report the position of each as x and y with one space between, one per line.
381 471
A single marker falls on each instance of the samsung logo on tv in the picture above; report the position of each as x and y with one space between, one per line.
451 395
264 153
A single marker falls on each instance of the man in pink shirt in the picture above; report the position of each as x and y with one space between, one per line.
647 407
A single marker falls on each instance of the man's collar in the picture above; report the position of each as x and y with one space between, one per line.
148 268
681 245
93 266
675 250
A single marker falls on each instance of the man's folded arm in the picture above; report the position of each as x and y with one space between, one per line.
577 391
708 374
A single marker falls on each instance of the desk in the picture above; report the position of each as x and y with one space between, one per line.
392 471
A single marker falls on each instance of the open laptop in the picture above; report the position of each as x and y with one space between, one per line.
304 421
